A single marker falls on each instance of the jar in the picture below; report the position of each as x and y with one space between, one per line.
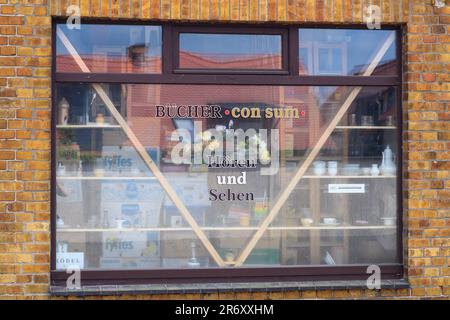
244 220
100 118
63 111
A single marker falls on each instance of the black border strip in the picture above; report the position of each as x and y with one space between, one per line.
224 79
347 272
214 275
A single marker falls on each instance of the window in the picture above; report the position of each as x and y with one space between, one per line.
229 51
109 48
194 177
344 52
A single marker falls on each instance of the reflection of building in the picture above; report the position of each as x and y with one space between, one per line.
110 63
319 106
203 61
137 62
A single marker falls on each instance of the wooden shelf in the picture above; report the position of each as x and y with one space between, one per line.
306 244
367 127
103 178
154 229
301 158
297 129
287 101
339 227
348 177
87 126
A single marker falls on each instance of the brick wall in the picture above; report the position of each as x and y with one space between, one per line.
25 60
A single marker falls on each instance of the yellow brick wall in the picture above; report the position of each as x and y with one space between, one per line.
25 70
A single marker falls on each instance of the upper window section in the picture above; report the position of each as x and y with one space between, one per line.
345 52
109 48
230 51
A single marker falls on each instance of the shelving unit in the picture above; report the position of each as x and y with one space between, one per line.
201 233
346 227
87 126
314 185
366 127
349 177
103 178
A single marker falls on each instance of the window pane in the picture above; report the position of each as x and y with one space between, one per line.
230 51
344 51
110 48
113 211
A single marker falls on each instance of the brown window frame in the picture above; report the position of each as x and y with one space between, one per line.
229 29
173 75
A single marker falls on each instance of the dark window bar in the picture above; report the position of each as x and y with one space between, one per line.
244 79
288 75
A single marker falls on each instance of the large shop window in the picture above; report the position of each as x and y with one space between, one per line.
198 177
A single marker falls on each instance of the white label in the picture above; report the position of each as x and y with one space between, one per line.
346 188
66 260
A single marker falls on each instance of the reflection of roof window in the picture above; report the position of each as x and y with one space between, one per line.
137 54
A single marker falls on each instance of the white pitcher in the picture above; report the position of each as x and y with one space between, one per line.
387 163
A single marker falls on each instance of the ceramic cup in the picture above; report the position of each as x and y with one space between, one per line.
229 257
306 222
374 171
98 172
120 223
389 221
332 164
329 220
332 168
244 220
332 171
319 168
176 221
390 121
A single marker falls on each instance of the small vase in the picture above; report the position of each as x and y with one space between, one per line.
374 171
63 112
387 163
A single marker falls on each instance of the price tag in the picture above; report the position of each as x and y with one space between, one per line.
346 188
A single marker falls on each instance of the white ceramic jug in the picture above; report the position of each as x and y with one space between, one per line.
387 163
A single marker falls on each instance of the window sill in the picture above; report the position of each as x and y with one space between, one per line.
104 290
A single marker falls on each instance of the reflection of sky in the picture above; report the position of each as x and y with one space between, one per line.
92 36
244 44
361 44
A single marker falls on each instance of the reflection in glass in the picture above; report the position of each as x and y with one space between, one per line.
111 48
112 208
344 51
229 51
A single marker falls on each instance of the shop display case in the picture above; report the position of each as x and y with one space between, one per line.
108 198
135 191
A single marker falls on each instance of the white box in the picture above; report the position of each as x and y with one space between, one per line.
66 260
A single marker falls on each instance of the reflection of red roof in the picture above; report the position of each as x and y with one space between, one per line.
141 99
109 64
388 68
201 61
123 64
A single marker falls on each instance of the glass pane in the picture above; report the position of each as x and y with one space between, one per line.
110 48
228 152
230 51
344 51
